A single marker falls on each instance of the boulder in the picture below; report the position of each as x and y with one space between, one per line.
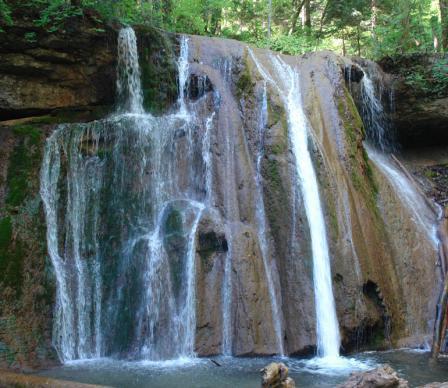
382 377
275 375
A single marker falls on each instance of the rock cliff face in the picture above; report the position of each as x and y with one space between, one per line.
68 70
67 76
383 265
420 98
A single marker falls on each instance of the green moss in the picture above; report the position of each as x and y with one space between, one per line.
11 256
430 174
175 243
11 268
378 338
158 69
173 223
278 149
23 254
273 175
5 233
28 131
333 218
369 172
361 172
25 158
245 84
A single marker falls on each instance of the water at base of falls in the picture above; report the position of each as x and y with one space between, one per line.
416 367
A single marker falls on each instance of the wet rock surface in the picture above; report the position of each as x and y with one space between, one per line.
382 377
12 380
71 69
377 255
275 375
420 98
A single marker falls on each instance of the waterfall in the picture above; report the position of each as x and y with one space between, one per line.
182 65
227 302
129 91
328 338
378 130
422 215
122 213
288 86
379 147
262 226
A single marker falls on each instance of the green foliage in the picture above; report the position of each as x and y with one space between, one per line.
429 80
371 28
187 16
30 37
419 81
439 74
5 15
54 14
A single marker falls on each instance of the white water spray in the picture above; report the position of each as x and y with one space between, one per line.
129 89
183 70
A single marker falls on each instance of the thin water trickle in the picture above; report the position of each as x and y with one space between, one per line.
227 300
269 264
379 146
422 215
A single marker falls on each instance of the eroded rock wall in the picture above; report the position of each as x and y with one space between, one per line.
383 267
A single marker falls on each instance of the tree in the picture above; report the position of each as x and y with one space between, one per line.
298 5
443 4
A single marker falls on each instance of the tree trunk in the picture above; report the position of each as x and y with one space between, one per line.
444 21
358 38
295 17
373 18
405 23
269 18
307 15
441 322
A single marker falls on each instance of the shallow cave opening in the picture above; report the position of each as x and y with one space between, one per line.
371 290
371 333
417 134
423 151
198 86
212 242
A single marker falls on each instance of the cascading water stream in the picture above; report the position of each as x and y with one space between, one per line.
379 147
122 213
372 111
328 338
129 91
327 327
227 302
262 227
183 66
